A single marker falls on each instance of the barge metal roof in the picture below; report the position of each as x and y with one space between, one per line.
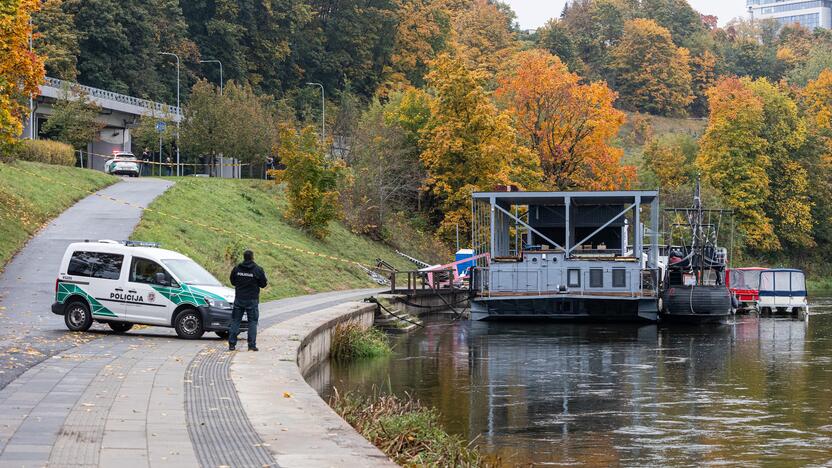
597 197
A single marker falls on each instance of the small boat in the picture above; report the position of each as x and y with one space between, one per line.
694 289
783 291
744 284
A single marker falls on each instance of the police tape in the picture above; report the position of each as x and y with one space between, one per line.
280 245
139 161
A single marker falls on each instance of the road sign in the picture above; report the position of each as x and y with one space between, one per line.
160 126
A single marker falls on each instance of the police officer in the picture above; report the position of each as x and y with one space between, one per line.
248 278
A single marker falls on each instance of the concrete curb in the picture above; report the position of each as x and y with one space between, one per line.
296 425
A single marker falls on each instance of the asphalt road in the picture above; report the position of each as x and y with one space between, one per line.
29 332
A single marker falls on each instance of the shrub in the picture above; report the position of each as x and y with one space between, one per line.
405 430
350 341
45 151
311 181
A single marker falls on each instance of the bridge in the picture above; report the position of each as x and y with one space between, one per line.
119 113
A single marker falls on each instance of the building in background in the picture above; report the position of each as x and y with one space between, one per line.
810 14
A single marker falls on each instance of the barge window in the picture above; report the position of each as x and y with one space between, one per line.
798 282
781 281
596 278
573 278
619 277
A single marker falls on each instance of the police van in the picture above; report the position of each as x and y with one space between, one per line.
122 283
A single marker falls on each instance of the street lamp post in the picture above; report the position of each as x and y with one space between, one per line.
323 112
178 110
215 61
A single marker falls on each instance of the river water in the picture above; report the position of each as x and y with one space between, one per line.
754 393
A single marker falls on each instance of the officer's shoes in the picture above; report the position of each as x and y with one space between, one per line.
253 348
232 347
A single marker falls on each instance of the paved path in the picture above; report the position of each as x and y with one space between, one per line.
143 399
29 332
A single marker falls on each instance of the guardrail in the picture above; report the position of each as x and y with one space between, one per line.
104 94
527 282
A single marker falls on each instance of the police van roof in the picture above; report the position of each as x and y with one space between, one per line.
128 247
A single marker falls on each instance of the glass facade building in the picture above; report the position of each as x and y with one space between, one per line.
810 14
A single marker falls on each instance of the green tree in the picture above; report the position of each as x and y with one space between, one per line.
554 37
677 16
668 162
239 123
74 120
651 73
594 26
57 40
120 43
311 181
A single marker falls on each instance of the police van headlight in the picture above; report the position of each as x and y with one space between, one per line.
218 303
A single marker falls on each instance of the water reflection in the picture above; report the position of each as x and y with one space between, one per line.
757 392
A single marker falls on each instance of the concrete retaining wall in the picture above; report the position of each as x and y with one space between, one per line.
297 426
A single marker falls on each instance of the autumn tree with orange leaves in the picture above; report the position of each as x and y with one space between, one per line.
469 145
21 71
568 124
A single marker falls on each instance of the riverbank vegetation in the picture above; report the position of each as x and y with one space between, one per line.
429 100
351 341
27 202
405 430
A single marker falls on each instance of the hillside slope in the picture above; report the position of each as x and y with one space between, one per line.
28 202
252 210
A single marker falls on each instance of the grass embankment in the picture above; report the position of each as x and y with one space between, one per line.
350 341
255 208
28 202
408 432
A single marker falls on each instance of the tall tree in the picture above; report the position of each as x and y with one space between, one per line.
121 41
424 30
469 145
594 27
57 40
651 73
784 131
733 159
74 120
21 71
555 38
484 35
569 125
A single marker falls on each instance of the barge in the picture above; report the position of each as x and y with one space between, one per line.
565 255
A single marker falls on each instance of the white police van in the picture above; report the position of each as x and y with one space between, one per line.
126 283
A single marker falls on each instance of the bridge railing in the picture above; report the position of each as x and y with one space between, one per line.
104 94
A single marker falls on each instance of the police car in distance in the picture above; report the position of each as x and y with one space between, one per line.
125 283
122 163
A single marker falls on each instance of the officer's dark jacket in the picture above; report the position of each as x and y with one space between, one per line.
247 279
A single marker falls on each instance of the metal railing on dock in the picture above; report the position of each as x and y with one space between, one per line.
528 282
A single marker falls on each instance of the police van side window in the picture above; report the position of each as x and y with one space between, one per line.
95 265
145 271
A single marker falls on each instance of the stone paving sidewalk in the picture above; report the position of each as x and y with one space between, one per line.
131 400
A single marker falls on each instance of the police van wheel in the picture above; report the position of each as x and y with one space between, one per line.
120 327
222 334
77 316
188 325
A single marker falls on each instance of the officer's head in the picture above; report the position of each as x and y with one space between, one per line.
248 256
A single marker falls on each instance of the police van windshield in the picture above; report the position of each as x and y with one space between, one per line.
189 272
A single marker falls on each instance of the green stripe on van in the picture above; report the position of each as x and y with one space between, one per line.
187 295
68 289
